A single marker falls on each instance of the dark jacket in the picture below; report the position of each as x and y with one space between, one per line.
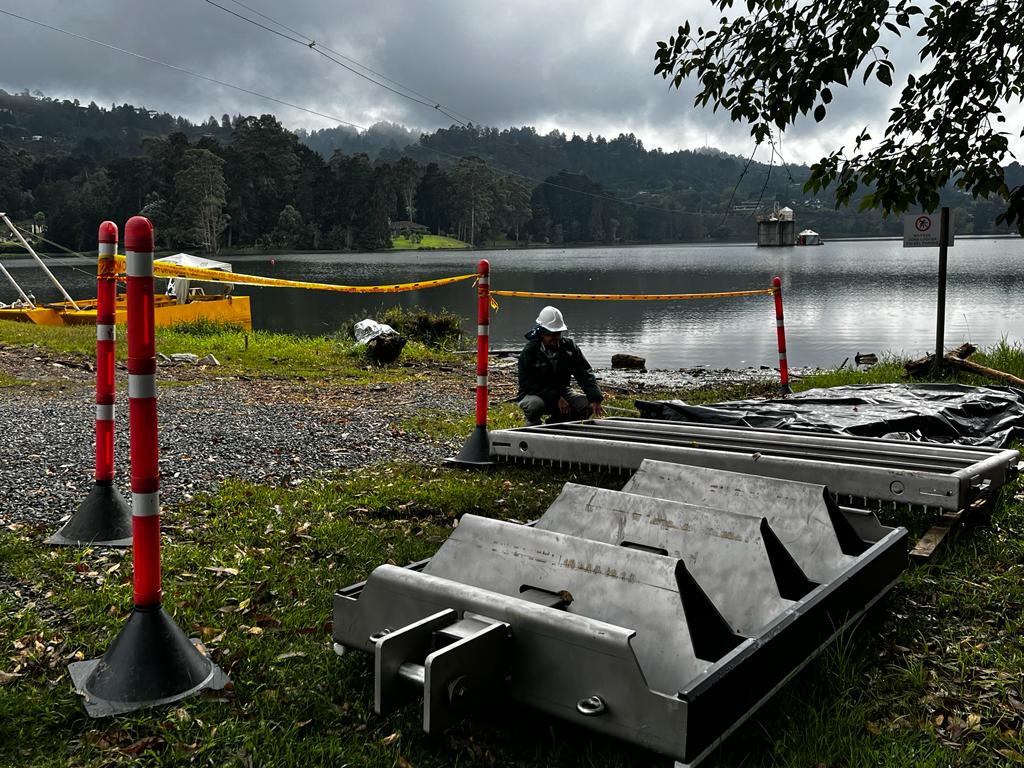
537 375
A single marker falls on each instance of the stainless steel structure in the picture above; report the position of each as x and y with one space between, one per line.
948 477
663 615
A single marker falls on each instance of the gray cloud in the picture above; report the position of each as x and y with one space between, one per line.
584 67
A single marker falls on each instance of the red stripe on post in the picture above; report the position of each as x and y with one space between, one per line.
482 339
146 560
780 328
142 415
106 293
104 451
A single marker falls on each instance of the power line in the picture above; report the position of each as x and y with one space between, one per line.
442 153
180 69
448 111
735 189
312 45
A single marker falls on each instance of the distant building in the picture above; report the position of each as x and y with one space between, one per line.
808 237
776 229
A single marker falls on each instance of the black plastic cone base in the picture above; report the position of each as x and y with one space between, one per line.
104 518
476 452
150 662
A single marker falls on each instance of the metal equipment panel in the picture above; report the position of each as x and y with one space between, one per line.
910 473
725 552
626 587
804 516
619 612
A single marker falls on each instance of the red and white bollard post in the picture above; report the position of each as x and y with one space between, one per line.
104 517
150 661
477 449
780 327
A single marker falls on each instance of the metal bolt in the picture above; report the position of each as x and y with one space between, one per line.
378 636
458 691
592 705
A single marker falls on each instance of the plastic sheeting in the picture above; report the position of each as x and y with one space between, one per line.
936 413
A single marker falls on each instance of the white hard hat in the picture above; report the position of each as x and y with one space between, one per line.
550 319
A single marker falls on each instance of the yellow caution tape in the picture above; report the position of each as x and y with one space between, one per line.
633 296
164 269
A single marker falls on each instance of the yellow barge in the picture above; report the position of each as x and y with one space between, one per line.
166 311
181 303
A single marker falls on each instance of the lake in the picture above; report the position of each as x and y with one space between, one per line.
840 298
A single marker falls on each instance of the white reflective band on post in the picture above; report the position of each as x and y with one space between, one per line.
107 249
105 332
778 322
484 279
483 330
481 381
782 355
145 504
105 412
138 264
141 385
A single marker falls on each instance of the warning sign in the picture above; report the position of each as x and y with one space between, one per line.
921 230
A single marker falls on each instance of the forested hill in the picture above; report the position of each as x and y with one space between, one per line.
247 181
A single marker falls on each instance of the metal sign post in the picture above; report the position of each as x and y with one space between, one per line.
940 317
923 230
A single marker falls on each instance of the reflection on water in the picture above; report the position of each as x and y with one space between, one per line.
840 298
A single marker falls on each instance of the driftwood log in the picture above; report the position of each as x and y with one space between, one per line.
957 358
629 361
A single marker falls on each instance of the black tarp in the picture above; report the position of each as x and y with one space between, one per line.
936 413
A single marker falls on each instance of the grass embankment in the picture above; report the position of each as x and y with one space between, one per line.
427 242
932 677
241 353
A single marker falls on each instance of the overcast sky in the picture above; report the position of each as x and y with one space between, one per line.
583 66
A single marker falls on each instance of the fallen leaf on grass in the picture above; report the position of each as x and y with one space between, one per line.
387 741
1011 754
141 745
973 720
288 655
8 677
222 571
403 763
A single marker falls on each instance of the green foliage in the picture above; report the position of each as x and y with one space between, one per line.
772 65
240 352
438 330
204 326
427 242
249 183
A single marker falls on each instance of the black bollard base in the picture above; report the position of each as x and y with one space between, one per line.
104 518
150 663
476 452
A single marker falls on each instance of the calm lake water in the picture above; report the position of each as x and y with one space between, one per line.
840 298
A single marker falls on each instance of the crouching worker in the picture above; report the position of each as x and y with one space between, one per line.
546 364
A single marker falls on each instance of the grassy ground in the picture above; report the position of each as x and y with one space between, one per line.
249 353
932 677
426 242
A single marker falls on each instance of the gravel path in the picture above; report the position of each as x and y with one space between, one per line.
213 428
277 432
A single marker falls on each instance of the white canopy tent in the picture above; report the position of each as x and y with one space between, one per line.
179 286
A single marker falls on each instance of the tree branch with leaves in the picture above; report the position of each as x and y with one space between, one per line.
780 60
